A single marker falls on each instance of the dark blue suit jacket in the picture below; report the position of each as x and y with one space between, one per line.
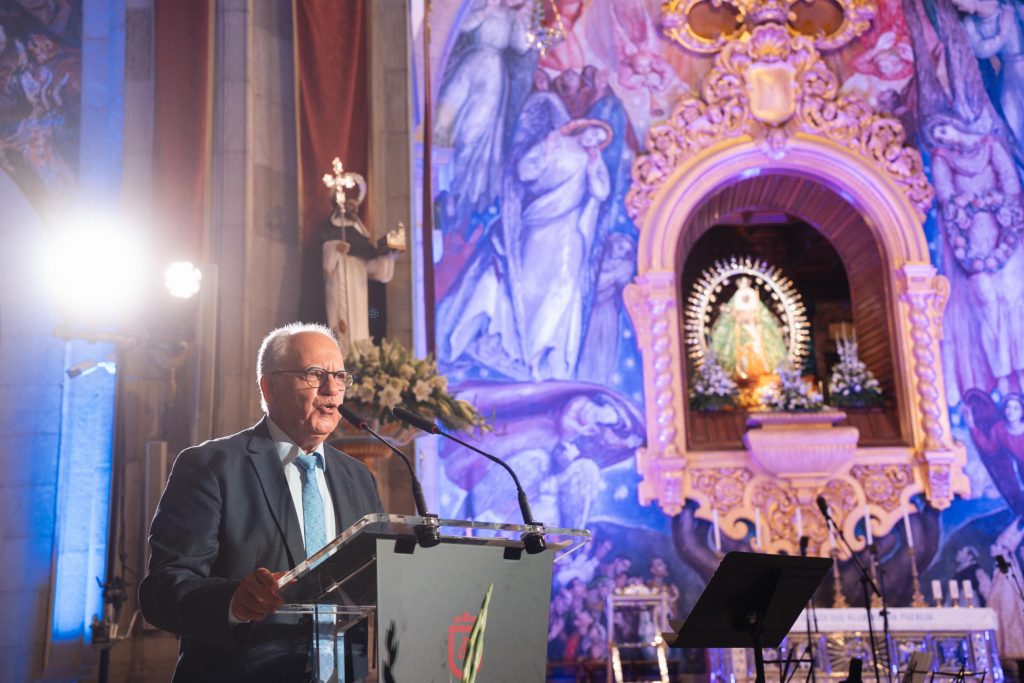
226 511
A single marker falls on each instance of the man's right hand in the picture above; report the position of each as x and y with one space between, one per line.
257 596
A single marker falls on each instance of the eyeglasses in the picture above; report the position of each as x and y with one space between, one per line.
317 377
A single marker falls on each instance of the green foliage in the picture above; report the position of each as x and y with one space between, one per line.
475 644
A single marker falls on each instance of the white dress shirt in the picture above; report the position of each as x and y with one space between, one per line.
288 451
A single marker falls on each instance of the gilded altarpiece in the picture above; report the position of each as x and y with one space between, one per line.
770 105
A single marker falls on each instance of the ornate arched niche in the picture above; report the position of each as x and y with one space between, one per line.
769 107
856 258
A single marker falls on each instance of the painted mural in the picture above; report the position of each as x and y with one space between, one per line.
532 157
40 101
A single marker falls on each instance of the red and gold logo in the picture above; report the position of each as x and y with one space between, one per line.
458 641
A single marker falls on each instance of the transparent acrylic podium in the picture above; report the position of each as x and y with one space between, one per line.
419 604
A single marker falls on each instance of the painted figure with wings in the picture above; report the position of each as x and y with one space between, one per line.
999 438
557 436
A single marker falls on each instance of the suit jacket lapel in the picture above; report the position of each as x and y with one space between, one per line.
267 464
338 484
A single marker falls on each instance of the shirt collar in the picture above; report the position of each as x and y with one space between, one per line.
287 449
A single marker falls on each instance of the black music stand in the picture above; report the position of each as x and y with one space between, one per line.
753 599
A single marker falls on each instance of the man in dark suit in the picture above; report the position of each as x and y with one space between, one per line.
241 510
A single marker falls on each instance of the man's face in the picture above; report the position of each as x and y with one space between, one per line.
306 414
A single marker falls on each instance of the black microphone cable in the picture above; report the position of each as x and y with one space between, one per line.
427 534
533 540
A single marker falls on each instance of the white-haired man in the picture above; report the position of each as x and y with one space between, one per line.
239 510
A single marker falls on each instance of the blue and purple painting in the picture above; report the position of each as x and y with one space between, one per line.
532 158
40 101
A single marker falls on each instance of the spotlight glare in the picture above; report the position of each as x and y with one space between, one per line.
182 279
95 272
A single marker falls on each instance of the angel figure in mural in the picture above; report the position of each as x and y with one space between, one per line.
622 35
979 197
747 337
994 28
885 67
565 180
999 438
350 260
557 436
518 306
475 320
979 205
477 92
1002 593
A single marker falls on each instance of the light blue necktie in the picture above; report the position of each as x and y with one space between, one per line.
314 528
315 532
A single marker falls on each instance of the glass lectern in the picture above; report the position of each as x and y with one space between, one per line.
419 603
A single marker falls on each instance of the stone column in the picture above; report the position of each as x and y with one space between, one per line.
254 234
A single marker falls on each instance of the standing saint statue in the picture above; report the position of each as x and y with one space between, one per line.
747 338
351 259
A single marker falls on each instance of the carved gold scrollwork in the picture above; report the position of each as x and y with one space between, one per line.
884 484
723 487
770 102
772 85
706 26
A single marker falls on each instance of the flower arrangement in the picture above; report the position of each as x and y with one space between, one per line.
713 388
852 385
791 394
388 376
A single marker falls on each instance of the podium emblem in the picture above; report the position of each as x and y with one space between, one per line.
458 641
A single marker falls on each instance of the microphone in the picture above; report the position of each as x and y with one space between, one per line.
533 541
426 534
823 506
417 421
1003 565
804 541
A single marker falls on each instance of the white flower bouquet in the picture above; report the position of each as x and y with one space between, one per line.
388 375
791 394
852 385
713 388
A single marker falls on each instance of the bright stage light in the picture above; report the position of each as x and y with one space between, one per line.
182 279
96 272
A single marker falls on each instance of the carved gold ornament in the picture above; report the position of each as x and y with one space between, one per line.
770 105
706 26
771 86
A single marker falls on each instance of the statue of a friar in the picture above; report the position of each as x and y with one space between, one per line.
350 258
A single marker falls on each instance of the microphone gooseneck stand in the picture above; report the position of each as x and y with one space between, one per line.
811 676
873 548
533 540
865 581
427 534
